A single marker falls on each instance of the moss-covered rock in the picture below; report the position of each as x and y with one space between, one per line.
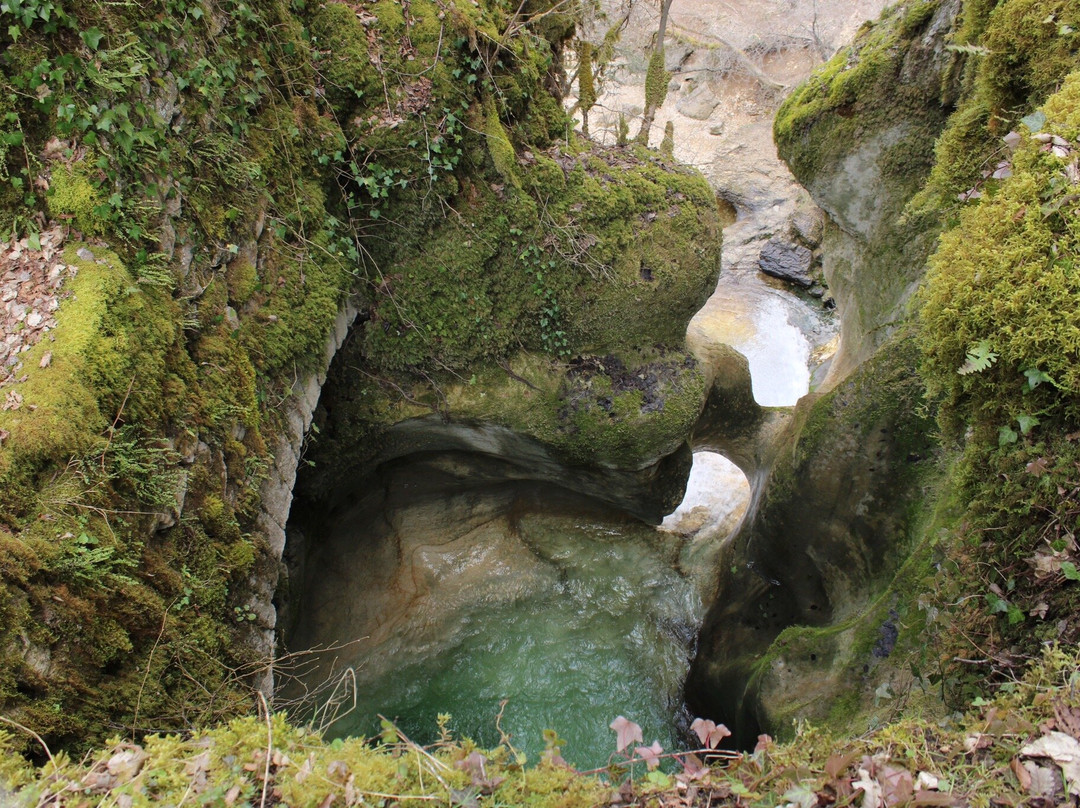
1000 347
859 134
1020 52
835 522
995 337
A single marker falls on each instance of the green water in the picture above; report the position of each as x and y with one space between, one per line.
572 621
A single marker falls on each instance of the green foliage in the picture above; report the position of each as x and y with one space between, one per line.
86 560
1029 47
978 358
1005 278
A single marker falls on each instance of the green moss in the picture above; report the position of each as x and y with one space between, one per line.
341 39
667 145
93 359
499 146
1029 47
72 194
1004 281
656 80
1005 275
242 280
586 87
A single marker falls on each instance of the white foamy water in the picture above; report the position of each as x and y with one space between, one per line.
779 355
772 328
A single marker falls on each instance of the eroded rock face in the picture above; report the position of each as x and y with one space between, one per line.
731 66
828 532
835 514
862 152
450 580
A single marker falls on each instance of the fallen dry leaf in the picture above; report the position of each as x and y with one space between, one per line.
1045 781
125 764
1037 468
305 769
897 785
1063 749
1021 774
976 741
626 732
1068 718
926 782
872 797
196 769
338 770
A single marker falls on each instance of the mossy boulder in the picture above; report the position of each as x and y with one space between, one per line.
999 352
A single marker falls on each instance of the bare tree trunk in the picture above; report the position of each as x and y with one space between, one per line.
656 78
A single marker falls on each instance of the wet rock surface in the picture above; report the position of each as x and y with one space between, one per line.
786 261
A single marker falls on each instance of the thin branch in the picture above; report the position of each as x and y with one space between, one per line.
32 734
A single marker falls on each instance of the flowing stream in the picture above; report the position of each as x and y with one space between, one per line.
571 613
447 590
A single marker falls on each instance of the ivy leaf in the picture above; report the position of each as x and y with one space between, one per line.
1027 423
650 754
1035 121
979 358
33 241
1070 571
1035 377
626 732
800 796
92 37
659 779
709 732
997 604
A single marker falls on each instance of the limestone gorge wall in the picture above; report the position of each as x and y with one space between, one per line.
851 575
838 513
262 252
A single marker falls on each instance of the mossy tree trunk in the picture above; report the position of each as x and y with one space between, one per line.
586 84
656 78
